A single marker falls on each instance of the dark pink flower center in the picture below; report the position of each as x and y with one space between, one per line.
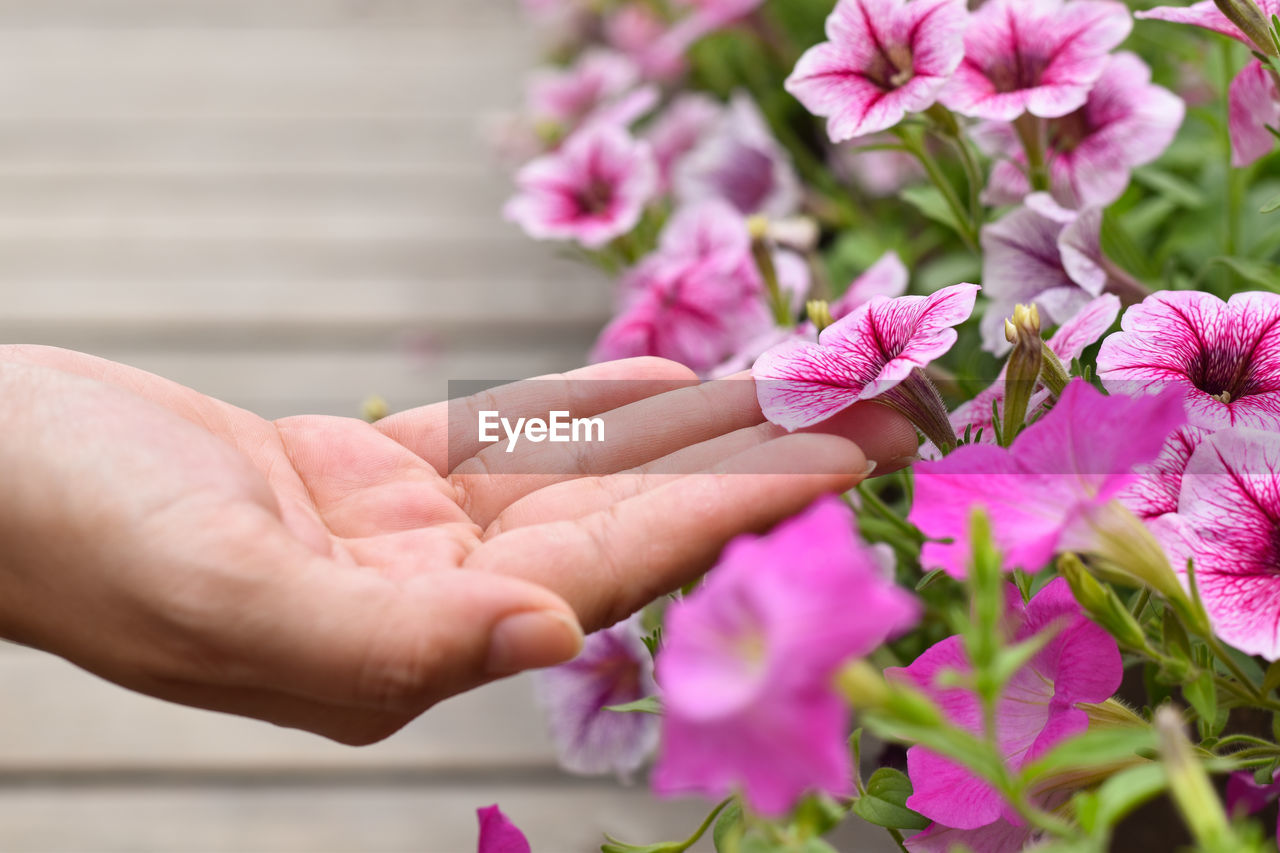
1066 133
892 67
595 198
1224 373
746 178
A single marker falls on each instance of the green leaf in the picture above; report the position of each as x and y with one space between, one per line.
1119 245
1126 791
928 580
1171 187
930 201
1202 693
647 705
885 802
729 829
1272 679
1271 206
1092 750
613 845
1260 273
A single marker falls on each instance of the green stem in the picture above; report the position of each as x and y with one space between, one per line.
874 503
1031 133
963 223
1216 646
898 839
1234 183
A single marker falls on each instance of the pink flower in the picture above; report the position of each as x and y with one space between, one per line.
1034 56
749 661
1038 709
1044 494
1000 836
1125 123
861 356
614 668
679 129
1223 356
883 59
877 172
568 96
498 834
1228 524
592 190
641 33
696 300
739 161
887 277
1255 106
1207 16
1043 254
1156 491
1246 796
722 11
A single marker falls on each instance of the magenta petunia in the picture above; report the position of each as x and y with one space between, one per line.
592 190
498 834
738 160
1043 492
1246 796
748 665
1041 254
1125 123
1254 107
1034 56
1037 709
865 354
883 59
1228 524
1000 836
1223 356
1206 15
614 668
887 277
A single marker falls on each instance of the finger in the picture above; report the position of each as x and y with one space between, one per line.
885 436
634 435
584 393
611 563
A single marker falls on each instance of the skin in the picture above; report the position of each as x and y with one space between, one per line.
330 575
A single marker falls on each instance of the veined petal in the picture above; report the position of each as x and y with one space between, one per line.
1254 106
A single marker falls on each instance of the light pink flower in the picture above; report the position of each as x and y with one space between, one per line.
1034 56
614 668
568 96
739 160
722 11
861 356
877 172
697 300
1000 836
1043 254
1206 15
679 128
1156 491
749 660
1043 493
592 190
1223 356
1069 342
641 33
883 59
1228 524
498 834
887 277
1037 709
1254 107
1126 122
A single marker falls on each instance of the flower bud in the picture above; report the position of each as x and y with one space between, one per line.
374 408
1246 15
1101 603
867 689
819 313
1190 786
1023 371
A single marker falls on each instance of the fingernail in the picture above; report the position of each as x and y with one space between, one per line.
906 461
532 640
871 468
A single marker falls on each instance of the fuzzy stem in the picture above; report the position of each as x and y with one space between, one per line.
968 232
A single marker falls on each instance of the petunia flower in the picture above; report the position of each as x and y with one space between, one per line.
1254 107
883 59
1228 524
747 671
1159 485
1223 356
679 128
887 277
593 189
864 355
1000 836
739 160
498 834
1040 254
1125 123
614 668
1207 15
568 96
877 172
1246 796
1034 56
638 31
1053 489
1037 709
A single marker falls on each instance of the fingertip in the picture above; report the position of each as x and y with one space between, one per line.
533 639
884 436
647 367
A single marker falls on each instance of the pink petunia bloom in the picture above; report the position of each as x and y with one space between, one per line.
678 130
1156 491
1206 15
641 33
1255 106
864 355
1037 709
748 667
1223 356
739 160
1000 836
498 834
697 300
1227 524
1034 56
1126 122
1052 488
1040 254
1246 796
614 668
883 59
887 277
568 96
592 190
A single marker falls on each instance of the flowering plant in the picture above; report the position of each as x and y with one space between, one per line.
1066 611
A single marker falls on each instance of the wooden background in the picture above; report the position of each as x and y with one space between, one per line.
288 204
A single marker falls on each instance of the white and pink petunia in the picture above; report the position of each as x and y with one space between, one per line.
592 190
1156 491
1126 122
883 59
1228 525
1223 356
1034 56
1254 104
1040 254
864 355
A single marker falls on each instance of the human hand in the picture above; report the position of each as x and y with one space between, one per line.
327 574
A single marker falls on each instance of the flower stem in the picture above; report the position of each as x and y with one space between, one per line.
1233 184
947 126
964 224
1031 133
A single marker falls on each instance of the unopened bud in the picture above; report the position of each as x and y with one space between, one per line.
374 408
1246 15
819 312
866 689
1101 603
758 227
1023 370
798 233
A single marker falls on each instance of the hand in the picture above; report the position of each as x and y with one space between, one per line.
326 574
